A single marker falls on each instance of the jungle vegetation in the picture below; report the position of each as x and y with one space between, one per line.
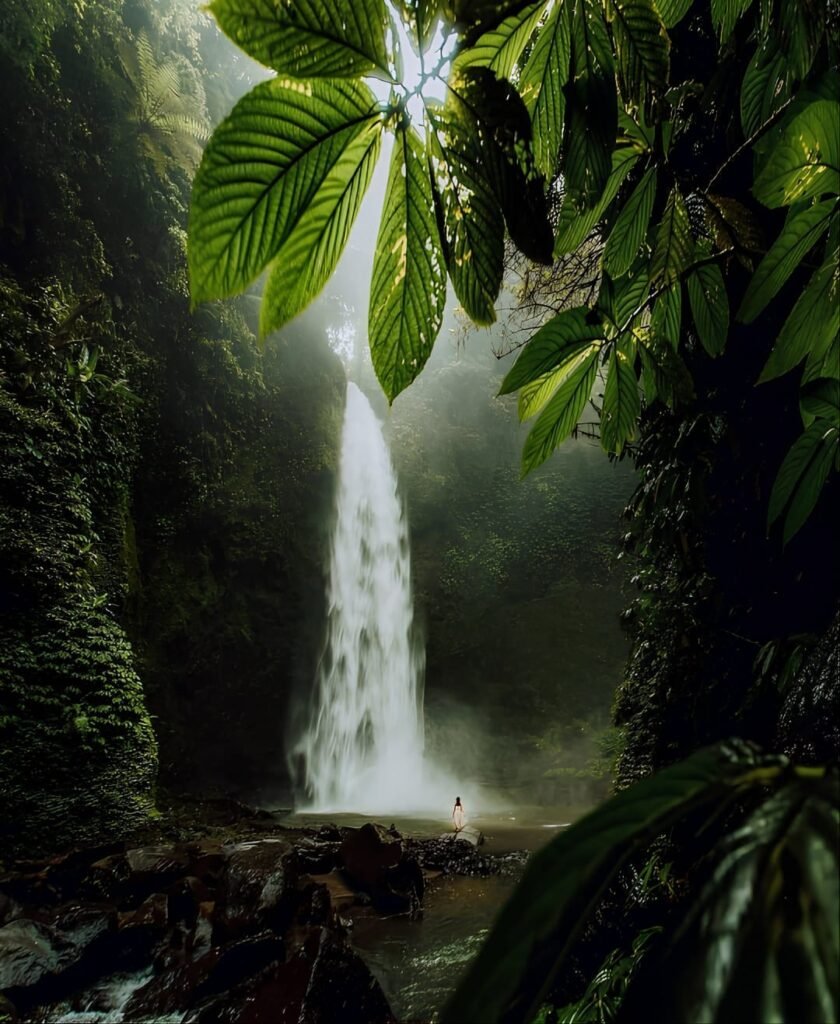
166 481
696 146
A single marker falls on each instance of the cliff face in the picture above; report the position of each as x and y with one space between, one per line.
163 477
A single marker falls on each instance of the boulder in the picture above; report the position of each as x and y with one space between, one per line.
323 982
260 887
189 984
131 876
373 860
30 951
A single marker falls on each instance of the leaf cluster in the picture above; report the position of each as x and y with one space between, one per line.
583 97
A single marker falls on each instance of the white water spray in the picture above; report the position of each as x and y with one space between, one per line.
363 747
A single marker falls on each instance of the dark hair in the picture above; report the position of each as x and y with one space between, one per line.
457 800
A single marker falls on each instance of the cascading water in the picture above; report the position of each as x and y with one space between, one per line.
363 747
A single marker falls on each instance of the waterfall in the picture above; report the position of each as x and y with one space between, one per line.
363 747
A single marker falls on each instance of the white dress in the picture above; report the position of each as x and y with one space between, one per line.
458 817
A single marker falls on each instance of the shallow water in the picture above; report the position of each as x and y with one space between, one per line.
418 962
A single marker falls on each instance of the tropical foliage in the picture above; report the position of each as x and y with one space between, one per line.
582 104
766 897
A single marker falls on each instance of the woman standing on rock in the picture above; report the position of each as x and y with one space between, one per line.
458 816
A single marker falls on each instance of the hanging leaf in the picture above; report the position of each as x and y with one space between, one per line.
559 417
630 298
820 399
563 881
765 88
260 171
591 107
501 128
709 307
622 405
316 39
534 397
630 229
641 47
563 337
574 226
473 227
421 17
408 287
802 230
666 319
812 324
726 14
501 47
310 255
672 12
805 161
824 364
674 245
541 86
802 475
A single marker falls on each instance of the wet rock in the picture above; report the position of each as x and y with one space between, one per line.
260 887
29 951
190 984
35 951
373 860
367 853
323 982
208 860
9 909
132 875
315 855
152 914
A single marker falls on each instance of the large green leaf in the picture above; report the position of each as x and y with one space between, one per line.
666 318
558 418
471 220
495 114
421 17
759 941
673 11
801 232
500 48
805 161
820 399
309 38
534 397
541 86
726 13
765 88
629 298
260 171
408 288
641 47
622 403
674 245
562 883
812 324
591 107
309 257
802 475
631 226
823 364
575 225
709 306
564 336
